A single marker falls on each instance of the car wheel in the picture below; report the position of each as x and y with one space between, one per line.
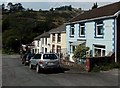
37 68
22 62
30 66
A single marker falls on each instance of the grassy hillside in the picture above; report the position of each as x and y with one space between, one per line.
25 25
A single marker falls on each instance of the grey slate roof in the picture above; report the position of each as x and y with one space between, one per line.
44 35
107 10
58 29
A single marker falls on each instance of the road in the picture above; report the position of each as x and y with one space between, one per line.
16 74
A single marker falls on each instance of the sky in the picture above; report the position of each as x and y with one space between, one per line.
47 4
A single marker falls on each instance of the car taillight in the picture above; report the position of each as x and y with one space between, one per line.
41 62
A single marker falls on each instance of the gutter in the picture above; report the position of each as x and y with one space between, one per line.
97 18
105 17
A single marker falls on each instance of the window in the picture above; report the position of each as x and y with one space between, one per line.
58 49
42 49
53 48
72 30
99 29
72 48
99 50
45 50
42 40
53 37
37 56
59 37
45 41
38 43
82 29
49 56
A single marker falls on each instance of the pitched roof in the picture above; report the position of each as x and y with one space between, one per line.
58 29
107 10
44 35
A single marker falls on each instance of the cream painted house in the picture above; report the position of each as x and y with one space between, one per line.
58 40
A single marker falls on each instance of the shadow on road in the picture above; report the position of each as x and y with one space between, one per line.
55 71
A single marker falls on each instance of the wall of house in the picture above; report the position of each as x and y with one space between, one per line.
107 40
70 39
44 45
54 43
36 48
63 43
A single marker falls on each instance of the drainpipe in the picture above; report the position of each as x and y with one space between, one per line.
116 35
116 39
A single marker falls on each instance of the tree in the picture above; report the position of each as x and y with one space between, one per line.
51 9
10 6
3 7
70 7
80 51
94 6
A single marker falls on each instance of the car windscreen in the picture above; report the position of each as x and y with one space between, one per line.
37 56
49 56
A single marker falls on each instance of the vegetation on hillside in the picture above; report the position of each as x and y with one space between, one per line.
22 25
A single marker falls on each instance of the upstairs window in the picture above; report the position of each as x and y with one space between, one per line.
42 40
38 43
45 41
72 30
59 37
82 30
99 29
53 37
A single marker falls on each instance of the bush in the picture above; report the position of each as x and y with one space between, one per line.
80 51
105 67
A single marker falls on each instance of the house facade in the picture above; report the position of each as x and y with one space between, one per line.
96 29
45 41
41 43
36 45
58 40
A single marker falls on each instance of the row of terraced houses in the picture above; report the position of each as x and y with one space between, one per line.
97 29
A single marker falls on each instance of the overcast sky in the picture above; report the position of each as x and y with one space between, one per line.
47 4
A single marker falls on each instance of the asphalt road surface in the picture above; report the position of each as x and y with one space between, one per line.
16 74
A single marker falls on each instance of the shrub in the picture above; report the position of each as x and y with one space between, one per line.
80 51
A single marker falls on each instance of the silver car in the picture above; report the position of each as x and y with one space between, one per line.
44 61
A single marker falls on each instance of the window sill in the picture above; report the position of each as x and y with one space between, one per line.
82 36
72 36
98 37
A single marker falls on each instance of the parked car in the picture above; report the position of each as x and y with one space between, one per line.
44 61
26 58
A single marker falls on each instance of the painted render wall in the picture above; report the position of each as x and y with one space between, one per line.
62 43
45 45
107 40
36 46
70 39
